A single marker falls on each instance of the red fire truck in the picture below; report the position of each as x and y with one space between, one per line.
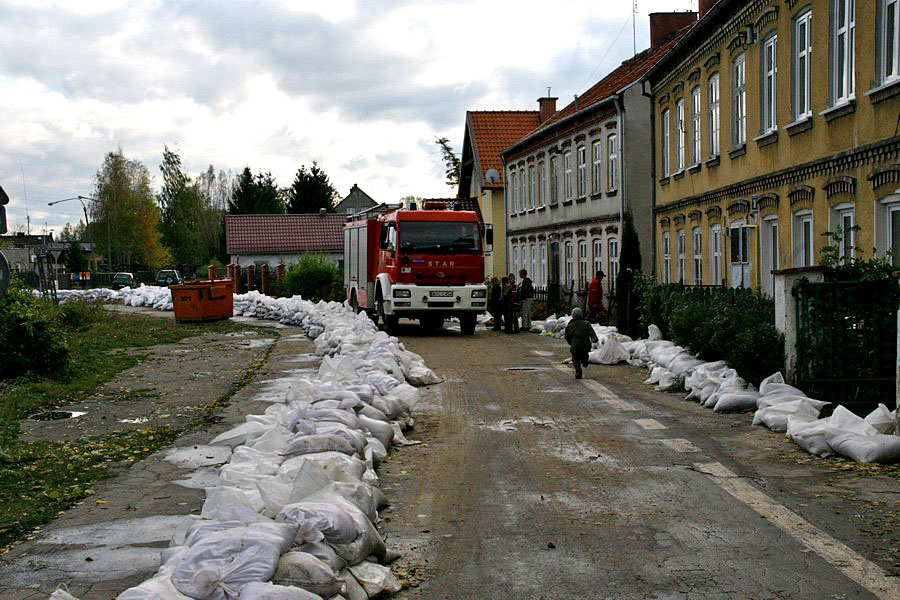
418 264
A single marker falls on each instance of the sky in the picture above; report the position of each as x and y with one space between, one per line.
362 87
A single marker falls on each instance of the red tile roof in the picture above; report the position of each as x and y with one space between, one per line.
464 204
494 130
279 234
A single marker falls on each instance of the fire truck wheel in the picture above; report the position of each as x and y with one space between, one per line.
467 324
390 324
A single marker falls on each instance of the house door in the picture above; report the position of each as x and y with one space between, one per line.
740 254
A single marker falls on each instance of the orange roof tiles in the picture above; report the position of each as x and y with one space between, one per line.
494 130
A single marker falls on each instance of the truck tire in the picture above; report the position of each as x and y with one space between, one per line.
390 324
467 324
389 321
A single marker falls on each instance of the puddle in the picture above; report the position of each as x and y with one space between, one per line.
513 424
526 368
554 391
251 344
120 532
56 415
202 478
192 457
584 453
135 420
242 334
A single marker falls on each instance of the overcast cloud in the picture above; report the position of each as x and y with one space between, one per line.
361 87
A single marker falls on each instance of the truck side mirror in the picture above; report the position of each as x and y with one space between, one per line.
489 237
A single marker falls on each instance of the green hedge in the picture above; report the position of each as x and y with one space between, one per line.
315 278
735 325
32 334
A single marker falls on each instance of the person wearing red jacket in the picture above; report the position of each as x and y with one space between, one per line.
595 297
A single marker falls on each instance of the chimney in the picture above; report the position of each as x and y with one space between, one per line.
322 212
705 5
663 24
546 108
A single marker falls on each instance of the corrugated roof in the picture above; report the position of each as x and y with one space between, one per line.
494 130
279 234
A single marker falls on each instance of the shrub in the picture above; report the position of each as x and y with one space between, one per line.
32 336
314 278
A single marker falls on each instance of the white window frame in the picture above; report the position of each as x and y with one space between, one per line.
888 41
667 257
843 216
679 135
664 130
513 189
543 264
523 190
681 241
533 265
582 264
802 65
769 253
515 259
612 160
568 253
567 170
713 98
542 183
843 52
697 250
695 125
597 148
613 262
554 179
598 254
803 236
739 101
769 85
532 183
581 157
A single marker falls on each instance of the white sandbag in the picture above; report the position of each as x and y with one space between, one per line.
379 429
537 328
655 374
422 375
684 363
390 405
226 496
653 333
322 442
811 435
352 589
375 579
217 566
666 381
336 466
356 439
265 463
883 420
407 394
347 417
877 448
377 448
847 421
308 572
372 413
269 591
775 399
611 352
773 378
335 370
325 553
159 587
236 436
737 401
781 389
775 417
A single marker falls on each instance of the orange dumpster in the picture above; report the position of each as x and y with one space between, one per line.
203 300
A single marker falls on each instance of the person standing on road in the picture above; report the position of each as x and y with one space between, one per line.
595 297
512 305
526 295
579 334
495 298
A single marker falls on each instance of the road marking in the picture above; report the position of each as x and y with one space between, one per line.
607 395
650 424
844 559
563 368
680 445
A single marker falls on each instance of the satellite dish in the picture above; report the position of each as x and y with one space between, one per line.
492 175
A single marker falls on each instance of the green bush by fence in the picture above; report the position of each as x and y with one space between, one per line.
32 334
315 278
715 323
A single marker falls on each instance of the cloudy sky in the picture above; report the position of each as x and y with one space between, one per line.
360 86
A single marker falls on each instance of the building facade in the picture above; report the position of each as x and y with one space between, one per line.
569 181
356 201
776 123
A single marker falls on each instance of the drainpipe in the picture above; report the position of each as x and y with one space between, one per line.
620 116
649 96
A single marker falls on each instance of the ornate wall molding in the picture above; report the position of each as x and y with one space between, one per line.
713 213
612 229
767 201
665 222
770 15
737 43
738 207
884 175
678 219
801 193
695 216
694 75
841 184
713 61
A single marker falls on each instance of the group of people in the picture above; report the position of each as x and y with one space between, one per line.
509 302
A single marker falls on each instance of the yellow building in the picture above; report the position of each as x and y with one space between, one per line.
776 121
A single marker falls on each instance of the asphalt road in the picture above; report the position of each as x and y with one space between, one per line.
529 484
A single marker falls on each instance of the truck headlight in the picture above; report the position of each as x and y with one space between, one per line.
479 293
401 293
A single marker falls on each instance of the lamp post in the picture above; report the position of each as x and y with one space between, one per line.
87 222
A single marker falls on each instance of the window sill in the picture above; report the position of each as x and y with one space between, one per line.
678 174
581 200
554 205
695 168
567 202
738 151
596 195
541 208
713 162
530 211
766 139
664 180
512 215
841 110
611 193
884 91
804 124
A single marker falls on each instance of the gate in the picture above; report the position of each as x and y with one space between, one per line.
847 342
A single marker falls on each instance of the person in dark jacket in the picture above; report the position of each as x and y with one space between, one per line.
494 299
579 334
526 297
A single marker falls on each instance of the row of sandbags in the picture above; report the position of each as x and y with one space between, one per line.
292 515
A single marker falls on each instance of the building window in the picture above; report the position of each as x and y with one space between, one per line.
698 256
889 40
740 254
554 180
570 265
613 263
680 248
843 221
515 259
582 264
843 33
769 116
582 171
739 101
769 253
523 190
715 247
695 125
598 167
513 189
532 267
543 279
598 255
664 124
612 157
542 183
714 120
802 68
567 167
804 243
679 135
532 183
667 258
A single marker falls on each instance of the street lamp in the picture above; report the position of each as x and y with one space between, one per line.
87 223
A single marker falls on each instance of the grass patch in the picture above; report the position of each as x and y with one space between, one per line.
38 479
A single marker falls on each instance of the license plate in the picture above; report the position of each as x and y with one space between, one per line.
441 293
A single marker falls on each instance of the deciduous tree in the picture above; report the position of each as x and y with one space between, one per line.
180 212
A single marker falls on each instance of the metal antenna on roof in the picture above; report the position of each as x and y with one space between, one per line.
633 36
548 91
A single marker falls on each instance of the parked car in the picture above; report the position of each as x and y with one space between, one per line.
123 280
168 277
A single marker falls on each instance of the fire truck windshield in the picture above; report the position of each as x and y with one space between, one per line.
439 236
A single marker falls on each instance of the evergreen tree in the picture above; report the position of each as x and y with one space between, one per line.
180 212
76 259
627 299
311 191
255 195
452 161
